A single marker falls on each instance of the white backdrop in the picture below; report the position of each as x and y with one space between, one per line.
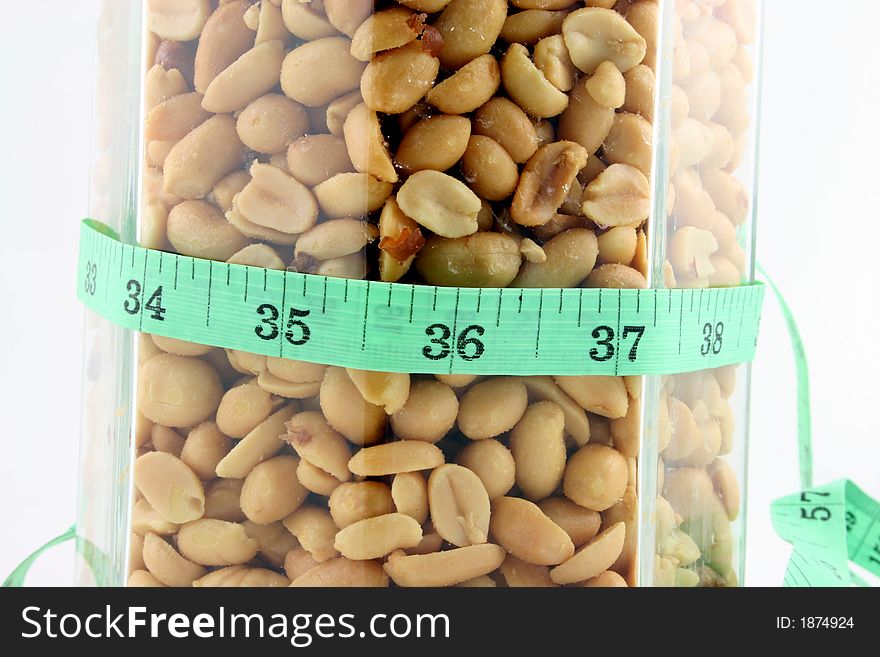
818 229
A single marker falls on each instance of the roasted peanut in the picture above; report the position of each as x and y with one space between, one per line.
271 123
579 523
459 505
592 559
445 568
319 71
198 229
396 457
216 543
437 142
595 35
440 203
595 477
503 121
202 158
351 194
277 201
366 144
166 564
175 20
571 256
468 88
428 414
468 29
261 443
397 79
341 572
409 491
482 260
528 86
314 159
491 408
384 30
253 74
348 412
178 391
488 169
224 39
522 529
538 449
546 181
204 448
315 530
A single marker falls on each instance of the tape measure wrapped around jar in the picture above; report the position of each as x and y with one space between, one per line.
448 293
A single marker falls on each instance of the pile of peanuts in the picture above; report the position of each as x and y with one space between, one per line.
473 143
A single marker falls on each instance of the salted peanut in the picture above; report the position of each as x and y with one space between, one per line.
355 501
337 111
145 519
172 55
445 568
177 20
273 541
255 231
242 576
276 200
616 277
314 159
335 238
593 559
522 529
315 530
316 442
427 6
437 142
459 505
342 572
351 194
395 80
160 85
625 511
223 500
386 389
400 240
619 196
484 259
607 86
545 131
204 448
319 71
143 579
595 477
384 30
272 491
216 543
393 458
372 538
166 564
468 88
492 462
257 255
268 22
361 422
178 391
538 449
409 492
351 266
639 97
483 581
618 245
532 251
728 194
428 414
366 144
315 479
271 123
527 85
579 523
602 395
242 408
689 252
503 120
224 39
626 431
644 17
532 25
263 442
173 119
202 158
297 562
457 380
546 182
491 408
543 388
689 491
253 74
571 256
347 15
198 229
431 541
488 169
595 35
629 142
726 486
469 28
440 203
180 347
154 225
551 58
307 20
518 573
227 188
585 121
296 371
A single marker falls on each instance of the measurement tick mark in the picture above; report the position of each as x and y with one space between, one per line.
412 302
210 280
246 271
538 332
366 315
324 301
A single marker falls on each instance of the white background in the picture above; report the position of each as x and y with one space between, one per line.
819 231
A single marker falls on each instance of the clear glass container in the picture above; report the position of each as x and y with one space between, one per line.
451 143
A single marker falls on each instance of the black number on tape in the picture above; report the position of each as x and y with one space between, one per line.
133 303
91 284
466 346
713 339
640 333
296 326
824 514
604 342
155 305
271 322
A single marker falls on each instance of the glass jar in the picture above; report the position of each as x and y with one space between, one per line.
458 143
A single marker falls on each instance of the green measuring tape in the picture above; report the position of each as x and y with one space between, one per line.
396 327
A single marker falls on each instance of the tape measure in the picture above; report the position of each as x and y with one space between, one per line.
395 327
